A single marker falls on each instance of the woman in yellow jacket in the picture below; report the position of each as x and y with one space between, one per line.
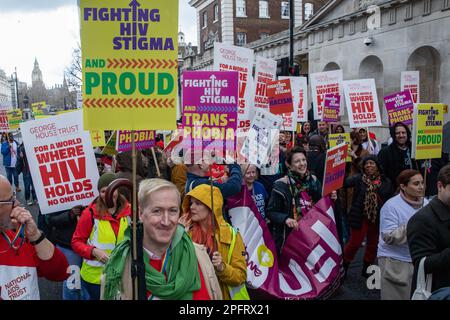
230 267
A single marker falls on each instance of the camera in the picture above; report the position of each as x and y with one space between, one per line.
368 41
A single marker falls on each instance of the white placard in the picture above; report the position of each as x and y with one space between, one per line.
62 161
233 58
265 71
323 83
410 80
259 141
362 103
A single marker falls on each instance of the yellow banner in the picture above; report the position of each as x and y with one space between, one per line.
130 54
98 138
38 108
428 135
338 138
14 118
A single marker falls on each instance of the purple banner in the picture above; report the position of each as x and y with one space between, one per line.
331 108
400 107
310 266
144 139
210 102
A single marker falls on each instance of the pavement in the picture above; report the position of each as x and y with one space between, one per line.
353 288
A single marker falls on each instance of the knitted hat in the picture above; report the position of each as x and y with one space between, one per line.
105 180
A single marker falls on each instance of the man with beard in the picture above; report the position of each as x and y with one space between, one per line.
396 157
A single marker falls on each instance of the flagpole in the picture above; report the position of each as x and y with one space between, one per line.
156 162
213 220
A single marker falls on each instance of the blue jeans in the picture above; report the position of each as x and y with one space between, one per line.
90 291
11 173
28 183
69 292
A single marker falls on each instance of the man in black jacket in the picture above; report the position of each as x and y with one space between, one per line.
428 234
397 156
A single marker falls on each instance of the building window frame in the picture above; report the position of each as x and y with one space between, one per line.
264 15
241 39
308 10
216 13
330 33
392 16
204 19
241 8
284 14
426 7
364 24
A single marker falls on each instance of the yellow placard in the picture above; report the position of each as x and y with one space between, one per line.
38 108
428 135
110 147
338 138
98 138
14 118
130 56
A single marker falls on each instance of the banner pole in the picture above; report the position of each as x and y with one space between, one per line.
213 220
156 162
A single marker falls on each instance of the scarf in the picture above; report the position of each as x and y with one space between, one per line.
373 183
299 190
416 204
179 279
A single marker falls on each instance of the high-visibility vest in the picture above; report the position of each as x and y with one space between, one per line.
238 292
102 237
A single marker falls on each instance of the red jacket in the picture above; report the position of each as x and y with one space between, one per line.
20 269
85 224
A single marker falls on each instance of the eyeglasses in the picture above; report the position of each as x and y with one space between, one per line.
11 201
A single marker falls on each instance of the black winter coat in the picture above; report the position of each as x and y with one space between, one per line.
428 233
280 208
62 226
356 213
393 162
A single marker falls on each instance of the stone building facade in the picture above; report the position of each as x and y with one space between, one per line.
404 35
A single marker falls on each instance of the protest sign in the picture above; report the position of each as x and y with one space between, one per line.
4 123
335 139
410 80
427 137
280 96
310 263
362 103
110 147
321 84
399 107
299 88
39 108
60 152
14 118
260 139
265 71
144 139
98 138
233 58
334 169
331 107
210 106
299 96
129 63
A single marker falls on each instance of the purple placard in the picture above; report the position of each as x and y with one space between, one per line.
331 107
144 139
210 101
400 107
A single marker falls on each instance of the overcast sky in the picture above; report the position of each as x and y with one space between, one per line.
49 30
